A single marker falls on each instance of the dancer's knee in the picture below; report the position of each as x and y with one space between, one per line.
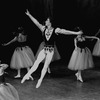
37 61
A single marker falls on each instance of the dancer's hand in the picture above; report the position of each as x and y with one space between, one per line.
4 44
26 77
27 12
98 39
80 32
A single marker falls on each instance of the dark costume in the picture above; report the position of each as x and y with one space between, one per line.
81 57
49 45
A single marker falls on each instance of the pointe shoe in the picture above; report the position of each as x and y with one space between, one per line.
31 78
80 78
23 80
49 71
26 77
77 75
38 84
18 76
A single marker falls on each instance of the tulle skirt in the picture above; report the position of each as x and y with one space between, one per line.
56 55
81 59
96 49
23 57
8 92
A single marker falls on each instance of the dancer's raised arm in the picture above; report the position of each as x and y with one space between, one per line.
67 32
35 21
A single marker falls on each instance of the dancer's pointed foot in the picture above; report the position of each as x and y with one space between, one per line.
49 70
77 75
31 78
26 77
39 83
80 78
17 76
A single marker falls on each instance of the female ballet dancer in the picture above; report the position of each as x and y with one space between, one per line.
96 49
49 34
81 58
23 56
7 91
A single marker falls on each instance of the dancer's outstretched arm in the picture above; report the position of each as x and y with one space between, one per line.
92 37
67 32
35 21
13 40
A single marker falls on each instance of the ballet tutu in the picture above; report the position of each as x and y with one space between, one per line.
81 59
8 92
23 57
96 49
56 55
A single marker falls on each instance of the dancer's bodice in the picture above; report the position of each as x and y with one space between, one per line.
21 40
81 44
49 38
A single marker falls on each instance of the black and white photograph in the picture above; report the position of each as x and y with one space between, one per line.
50 50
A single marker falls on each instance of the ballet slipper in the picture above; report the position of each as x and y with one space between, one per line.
49 70
77 75
26 77
17 76
80 78
31 78
39 83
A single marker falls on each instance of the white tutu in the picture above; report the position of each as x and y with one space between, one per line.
81 59
96 49
56 55
23 57
8 92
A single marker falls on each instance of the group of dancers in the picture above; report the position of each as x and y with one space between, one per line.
81 57
23 56
47 50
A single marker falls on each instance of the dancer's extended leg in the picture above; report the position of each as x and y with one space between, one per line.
40 57
44 70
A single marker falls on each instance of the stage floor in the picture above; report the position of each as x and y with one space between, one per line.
60 85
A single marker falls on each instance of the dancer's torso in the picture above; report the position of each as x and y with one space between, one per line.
21 40
81 44
49 39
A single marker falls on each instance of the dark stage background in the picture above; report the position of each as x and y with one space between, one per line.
67 14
